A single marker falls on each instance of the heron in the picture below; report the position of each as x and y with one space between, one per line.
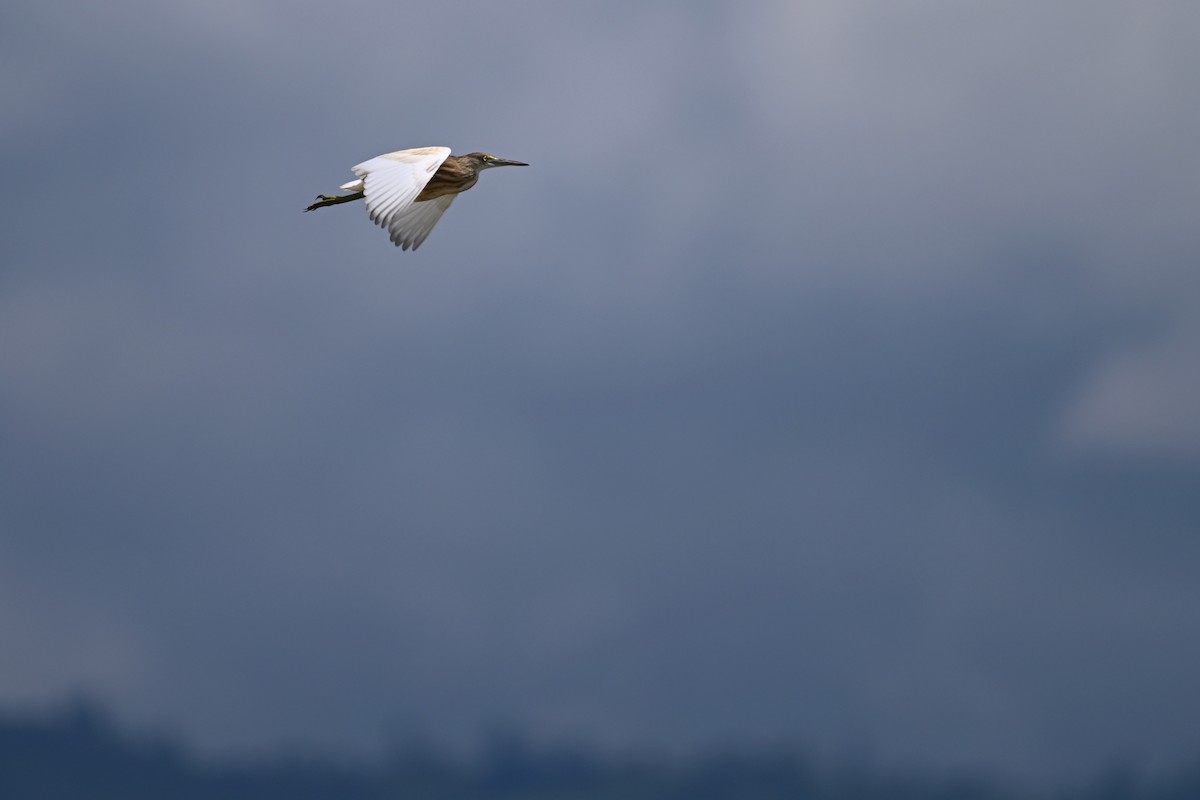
408 191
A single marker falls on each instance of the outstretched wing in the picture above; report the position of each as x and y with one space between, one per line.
411 225
391 184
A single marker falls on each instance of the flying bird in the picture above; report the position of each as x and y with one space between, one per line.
408 191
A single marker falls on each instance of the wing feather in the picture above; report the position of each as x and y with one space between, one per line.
410 226
391 184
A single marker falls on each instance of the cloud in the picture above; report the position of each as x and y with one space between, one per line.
1141 401
740 414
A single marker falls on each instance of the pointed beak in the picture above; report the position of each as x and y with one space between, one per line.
504 162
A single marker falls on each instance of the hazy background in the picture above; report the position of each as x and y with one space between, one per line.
830 377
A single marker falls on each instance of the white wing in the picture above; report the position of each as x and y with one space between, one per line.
411 225
392 182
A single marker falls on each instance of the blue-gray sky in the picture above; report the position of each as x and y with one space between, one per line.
830 376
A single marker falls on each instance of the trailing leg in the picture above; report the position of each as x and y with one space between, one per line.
333 199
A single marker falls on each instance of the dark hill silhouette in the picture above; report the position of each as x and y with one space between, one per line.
78 754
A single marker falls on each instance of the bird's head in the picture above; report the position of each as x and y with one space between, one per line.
486 161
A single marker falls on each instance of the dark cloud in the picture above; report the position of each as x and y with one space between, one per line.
820 380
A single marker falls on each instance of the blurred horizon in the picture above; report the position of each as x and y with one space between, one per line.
829 376
77 747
